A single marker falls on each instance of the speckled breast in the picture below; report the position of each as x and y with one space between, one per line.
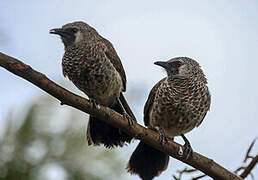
178 110
97 79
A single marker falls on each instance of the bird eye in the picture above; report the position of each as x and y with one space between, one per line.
74 30
178 64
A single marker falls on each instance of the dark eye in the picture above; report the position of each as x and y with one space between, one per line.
178 64
74 30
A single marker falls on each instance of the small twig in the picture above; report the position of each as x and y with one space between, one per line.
239 169
199 177
187 171
249 168
247 156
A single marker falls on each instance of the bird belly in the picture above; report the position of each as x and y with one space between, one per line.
103 89
179 128
171 121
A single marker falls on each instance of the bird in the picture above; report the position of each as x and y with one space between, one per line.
175 105
94 67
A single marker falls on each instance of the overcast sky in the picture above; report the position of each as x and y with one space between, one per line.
221 35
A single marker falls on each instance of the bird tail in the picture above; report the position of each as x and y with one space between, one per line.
147 162
99 132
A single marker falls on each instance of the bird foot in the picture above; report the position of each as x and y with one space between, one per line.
95 104
163 138
129 118
187 149
124 113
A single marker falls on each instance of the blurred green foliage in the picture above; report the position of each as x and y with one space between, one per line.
48 142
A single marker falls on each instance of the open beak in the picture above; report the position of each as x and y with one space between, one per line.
162 64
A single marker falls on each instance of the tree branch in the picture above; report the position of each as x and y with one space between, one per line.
198 161
249 168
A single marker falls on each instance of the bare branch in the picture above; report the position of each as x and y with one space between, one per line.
247 156
249 168
198 161
199 177
188 171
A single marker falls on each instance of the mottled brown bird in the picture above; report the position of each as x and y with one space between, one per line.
176 104
92 64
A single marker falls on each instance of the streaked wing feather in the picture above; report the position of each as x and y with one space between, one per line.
115 60
149 102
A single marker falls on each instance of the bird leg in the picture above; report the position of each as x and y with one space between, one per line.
188 151
163 137
95 104
124 113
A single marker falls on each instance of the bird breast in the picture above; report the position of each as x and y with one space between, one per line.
177 109
97 79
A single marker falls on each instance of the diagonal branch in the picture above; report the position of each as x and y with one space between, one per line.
249 168
198 161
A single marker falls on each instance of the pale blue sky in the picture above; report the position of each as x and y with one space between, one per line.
221 35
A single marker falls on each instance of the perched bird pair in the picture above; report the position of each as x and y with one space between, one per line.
176 104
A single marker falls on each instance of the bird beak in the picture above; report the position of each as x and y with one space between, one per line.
58 31
162 64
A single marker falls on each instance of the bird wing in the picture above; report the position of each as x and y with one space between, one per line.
149 103
115 60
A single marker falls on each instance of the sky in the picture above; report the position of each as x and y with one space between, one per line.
221 35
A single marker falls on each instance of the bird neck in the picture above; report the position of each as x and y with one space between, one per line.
176 79
180 81
88 40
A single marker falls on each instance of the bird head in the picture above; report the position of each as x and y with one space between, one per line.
74 33
182 67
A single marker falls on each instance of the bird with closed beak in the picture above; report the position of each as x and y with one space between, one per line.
92 64
176 104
